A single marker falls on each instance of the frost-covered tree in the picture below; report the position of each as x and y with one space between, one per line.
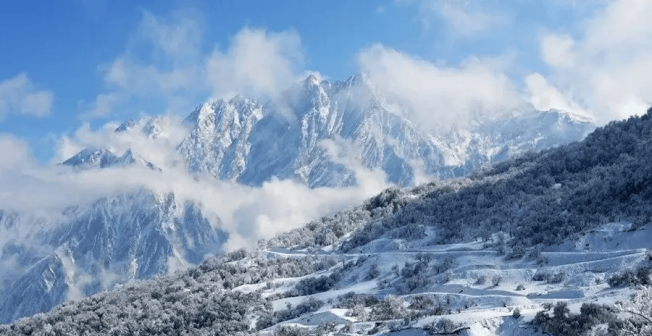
640 310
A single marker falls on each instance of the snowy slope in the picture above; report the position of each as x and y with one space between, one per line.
478 288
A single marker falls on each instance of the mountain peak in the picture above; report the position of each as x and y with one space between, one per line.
571 116
360 78
89 158
311 80
94 158
127 125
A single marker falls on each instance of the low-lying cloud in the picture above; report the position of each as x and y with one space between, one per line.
246 213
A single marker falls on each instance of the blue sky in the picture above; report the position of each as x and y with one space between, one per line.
94 61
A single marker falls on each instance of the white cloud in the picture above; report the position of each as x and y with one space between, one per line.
611 60
164 61
463 18
103 105
257 63
246 213
544 96
179 39
15 153
19 95
440 95
466 22
76 279
160 151
557 51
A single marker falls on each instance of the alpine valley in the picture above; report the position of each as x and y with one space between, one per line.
519 222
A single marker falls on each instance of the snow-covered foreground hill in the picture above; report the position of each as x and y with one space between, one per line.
556 242
395 286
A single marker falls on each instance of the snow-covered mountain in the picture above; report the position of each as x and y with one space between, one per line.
244 140
92 247
552 243
137 235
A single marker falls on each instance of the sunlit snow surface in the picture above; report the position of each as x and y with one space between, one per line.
483 309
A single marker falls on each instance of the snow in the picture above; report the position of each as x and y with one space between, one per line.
245 140
115 239
250 142
491 307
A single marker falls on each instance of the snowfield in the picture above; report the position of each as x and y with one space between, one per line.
485 309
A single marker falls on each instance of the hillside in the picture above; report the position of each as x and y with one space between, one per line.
557 241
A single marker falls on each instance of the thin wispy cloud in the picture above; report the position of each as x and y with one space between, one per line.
461 18
19 95
162 61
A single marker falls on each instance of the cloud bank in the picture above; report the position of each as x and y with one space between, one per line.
246 213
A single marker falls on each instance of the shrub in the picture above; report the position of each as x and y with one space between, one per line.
421 302
630 278
309 306
373 273
389 309
517 252
237 255
548 277
316 285
351 299
443 326
291 331
557 278
516 313
448 277
540 275
563 322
